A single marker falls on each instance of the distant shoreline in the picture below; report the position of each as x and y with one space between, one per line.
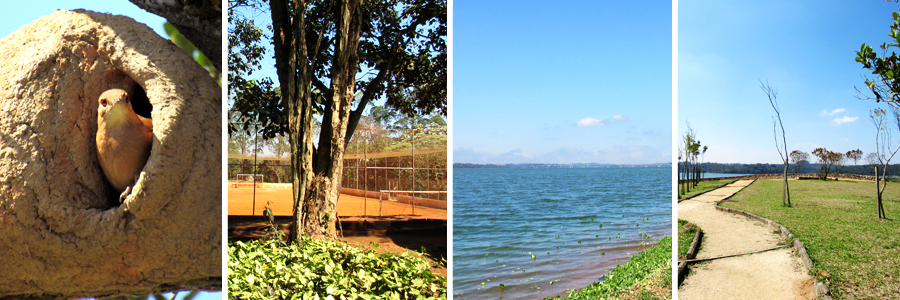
558 166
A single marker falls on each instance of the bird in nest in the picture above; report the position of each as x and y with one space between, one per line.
124 140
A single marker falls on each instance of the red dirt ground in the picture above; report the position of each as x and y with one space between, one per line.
240 203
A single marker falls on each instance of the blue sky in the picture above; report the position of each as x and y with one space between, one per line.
19 13
535 82
805 49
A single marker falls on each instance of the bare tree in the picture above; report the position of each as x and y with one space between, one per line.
872 158
799 158
772 94
883 153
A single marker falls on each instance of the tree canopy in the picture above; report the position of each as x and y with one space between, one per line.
402 59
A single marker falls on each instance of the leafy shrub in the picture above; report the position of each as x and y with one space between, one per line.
325 269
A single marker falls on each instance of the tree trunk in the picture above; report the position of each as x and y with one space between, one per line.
292 67
785 193
316 182
877 192
881 214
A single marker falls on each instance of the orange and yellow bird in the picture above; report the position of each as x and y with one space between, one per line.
123 140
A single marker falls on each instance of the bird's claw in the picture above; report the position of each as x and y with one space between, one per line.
125 194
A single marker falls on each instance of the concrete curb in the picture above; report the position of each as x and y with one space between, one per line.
692 252
820 287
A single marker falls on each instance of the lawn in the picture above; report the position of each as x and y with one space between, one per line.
854 252
648 275
704 186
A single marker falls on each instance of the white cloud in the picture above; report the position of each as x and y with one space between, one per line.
836 110
844 119
844 140
591 122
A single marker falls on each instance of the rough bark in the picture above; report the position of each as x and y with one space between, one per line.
199 21
321 206
292 67
62 232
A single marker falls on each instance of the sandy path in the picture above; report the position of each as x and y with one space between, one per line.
773 274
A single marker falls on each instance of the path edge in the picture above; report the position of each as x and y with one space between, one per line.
721 186
691 253
821 288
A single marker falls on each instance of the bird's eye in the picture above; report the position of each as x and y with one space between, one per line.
103 102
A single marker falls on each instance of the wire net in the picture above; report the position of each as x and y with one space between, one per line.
248 180
402 166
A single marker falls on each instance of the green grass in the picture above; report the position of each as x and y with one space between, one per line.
325 269
704 186
648 275
685 237
855 253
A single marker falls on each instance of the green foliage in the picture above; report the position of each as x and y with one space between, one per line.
402 58
855 254
325 269
626 276
183 43
685 237
886 68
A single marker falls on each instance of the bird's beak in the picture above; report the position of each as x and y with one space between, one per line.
116 113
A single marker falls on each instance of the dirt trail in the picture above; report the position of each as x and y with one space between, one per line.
775 274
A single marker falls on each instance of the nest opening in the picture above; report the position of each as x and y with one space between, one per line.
141 105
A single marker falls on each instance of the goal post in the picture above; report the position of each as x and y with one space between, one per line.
248 180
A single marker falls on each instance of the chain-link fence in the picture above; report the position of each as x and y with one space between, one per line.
405 166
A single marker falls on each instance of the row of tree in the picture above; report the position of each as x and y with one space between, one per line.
807 168
829 161
690 161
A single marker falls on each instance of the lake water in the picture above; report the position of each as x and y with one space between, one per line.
501 217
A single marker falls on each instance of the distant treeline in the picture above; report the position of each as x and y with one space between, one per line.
893 170
561 166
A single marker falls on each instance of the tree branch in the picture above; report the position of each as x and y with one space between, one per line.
199 21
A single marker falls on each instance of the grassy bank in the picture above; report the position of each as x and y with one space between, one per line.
855 253
705 186
327 269
685 237
648 275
